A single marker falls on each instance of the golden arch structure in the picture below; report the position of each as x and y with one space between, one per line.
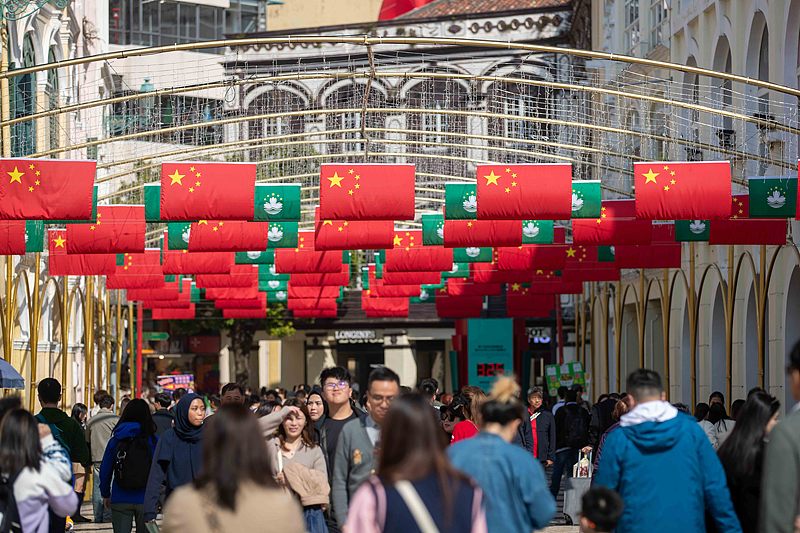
352 98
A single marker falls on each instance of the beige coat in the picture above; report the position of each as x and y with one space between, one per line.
258 510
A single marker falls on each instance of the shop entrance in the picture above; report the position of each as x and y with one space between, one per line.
359 359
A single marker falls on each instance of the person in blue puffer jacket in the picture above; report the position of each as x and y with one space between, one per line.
661 463
126 503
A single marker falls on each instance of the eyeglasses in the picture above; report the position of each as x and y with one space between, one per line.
334 385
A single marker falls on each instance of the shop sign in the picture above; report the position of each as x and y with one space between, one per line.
540 336
357 336
490 350
176 381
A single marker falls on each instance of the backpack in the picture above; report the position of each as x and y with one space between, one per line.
9 514
57 434
577 432
132 458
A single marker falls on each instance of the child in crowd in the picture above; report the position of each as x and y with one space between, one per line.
601 509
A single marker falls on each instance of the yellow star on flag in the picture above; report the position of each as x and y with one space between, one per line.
91 228
176 177
398 240
508 189
515 287
15 176
327 223
59 241
571 252
492 178
650 176
202 222
336 181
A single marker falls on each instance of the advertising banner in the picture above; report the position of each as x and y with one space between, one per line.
490 350
568 374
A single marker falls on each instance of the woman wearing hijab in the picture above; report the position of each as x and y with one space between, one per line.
178 455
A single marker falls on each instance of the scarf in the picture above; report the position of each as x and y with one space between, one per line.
182 450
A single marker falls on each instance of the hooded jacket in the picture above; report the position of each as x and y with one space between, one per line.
667 473
108 487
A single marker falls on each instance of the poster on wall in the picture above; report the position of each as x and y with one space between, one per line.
176 381
490 350
568 374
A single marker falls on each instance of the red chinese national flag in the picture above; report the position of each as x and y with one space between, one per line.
325 279
521 192
119 229
523 305
297 304
616 225
683 191
411 278
305 259
183 262
259 302
245 314
12 237
352 235
409 255
207 191
174 314
458 306
740 229
64 264
384 307
467 233
462 287
138 271
366 192
323 291
536 256
232 293
315 313
46 189
228 236
239 276
488 273
648 256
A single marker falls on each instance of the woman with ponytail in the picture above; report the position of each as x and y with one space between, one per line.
516 495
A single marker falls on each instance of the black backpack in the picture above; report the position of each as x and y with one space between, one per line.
9 514
132 462
577 430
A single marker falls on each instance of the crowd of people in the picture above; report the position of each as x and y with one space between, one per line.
326 459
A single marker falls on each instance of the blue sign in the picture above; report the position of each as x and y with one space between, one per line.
490 350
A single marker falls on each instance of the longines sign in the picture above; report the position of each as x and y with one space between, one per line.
345 336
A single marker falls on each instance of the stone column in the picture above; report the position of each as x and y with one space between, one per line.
399 356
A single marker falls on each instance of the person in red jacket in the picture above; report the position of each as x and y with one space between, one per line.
467 403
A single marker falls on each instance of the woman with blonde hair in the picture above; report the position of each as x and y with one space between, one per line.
516 493
467 403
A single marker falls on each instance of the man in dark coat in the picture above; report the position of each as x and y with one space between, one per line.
543 425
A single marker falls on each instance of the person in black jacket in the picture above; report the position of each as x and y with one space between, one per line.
163 417
572 436
601 417
543 423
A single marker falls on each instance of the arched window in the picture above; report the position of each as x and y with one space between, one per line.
51 92
520 105
763 98
274 101
350 98
23 102
431 129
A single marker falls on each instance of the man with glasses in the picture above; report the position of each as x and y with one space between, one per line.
336 390
355 458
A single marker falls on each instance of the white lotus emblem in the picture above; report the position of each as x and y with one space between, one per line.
697 227
577 202
26 237
273 206
185 235
440 232
776 200
280 295
471 204
530 230
273 270
275 234
612 250
273 284
253 255
472 251
454 269
423 295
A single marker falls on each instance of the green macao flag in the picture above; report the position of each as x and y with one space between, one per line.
365 278
537 231
94 213
169 278
773 197
273 285
34 235
267 257
460 201
605 254
379 261
426 296
178 235
279 203
459 270
433 230
586 196
340 299
433 288
276 296
152 202
268 272
346 259
282 235
197 295
692 230
472 254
